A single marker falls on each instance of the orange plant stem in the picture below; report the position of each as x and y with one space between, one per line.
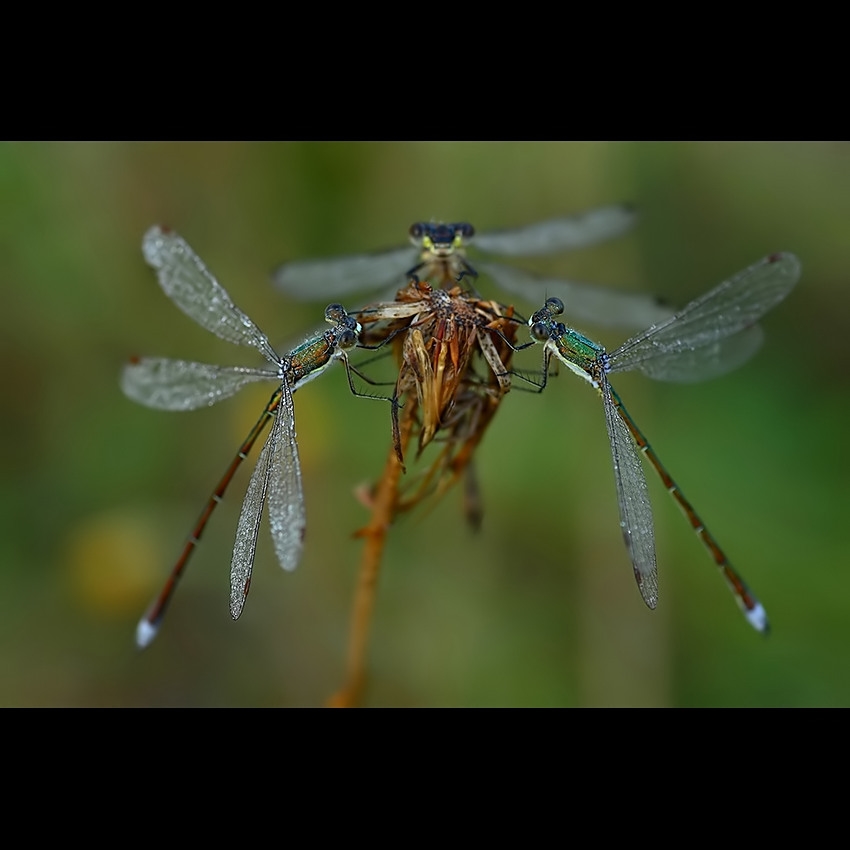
384 505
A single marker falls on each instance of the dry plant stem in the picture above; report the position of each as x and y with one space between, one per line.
384 505
443 395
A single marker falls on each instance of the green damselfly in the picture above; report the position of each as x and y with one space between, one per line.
711 335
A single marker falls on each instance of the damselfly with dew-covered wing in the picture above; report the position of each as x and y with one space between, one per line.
184 385
711 335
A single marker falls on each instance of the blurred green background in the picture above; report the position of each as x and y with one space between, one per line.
540 607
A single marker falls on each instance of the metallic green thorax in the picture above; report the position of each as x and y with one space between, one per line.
312 357
580 354
577 349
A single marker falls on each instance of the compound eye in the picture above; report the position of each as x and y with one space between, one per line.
417 230
335 313
347 339
538 331
466 230
555 306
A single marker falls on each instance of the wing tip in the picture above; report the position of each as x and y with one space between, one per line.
238 595
151 244
791 262
648 586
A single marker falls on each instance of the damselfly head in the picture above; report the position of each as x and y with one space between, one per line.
336 314
542 324
439 238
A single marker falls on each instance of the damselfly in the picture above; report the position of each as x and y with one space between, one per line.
711 335
183 385
439 257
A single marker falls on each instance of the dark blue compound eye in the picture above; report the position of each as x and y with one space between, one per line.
335 313
417 230
555 306
464 229
347 339
539 331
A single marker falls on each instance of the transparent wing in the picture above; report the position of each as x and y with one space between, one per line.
559 234
178 385
633 501
337 276
286 494
245 545
710 361
733 306
584 302
186 281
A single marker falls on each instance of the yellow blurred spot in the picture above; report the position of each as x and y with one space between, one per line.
113 561
313 420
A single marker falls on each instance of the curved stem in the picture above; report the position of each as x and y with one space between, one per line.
384 508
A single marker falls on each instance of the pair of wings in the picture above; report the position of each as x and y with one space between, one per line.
599 305
167 384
